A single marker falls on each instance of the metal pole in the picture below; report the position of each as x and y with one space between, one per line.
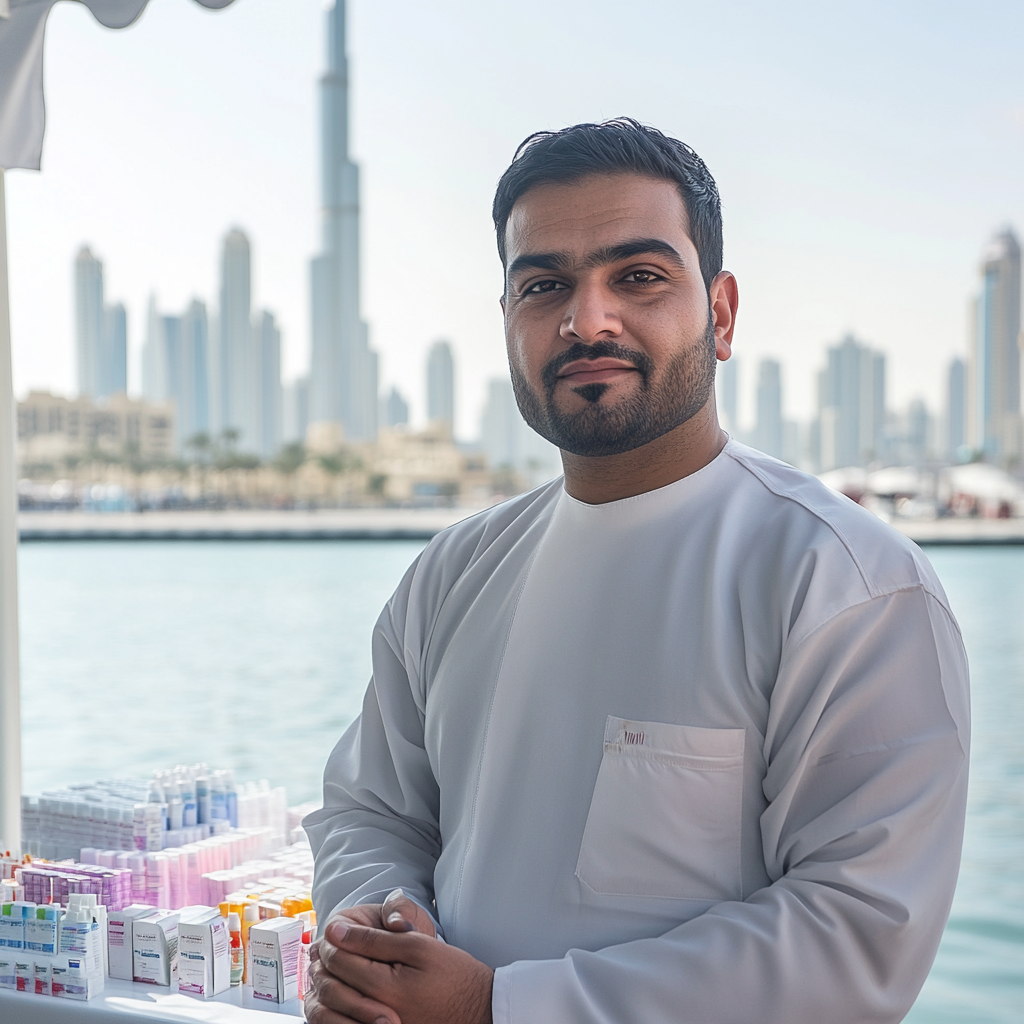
10 696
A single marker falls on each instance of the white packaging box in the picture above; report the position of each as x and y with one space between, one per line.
155 948
204 953
12 924
80 941
274 952
24 972
42 975
41 935
119 938
71 978
7 978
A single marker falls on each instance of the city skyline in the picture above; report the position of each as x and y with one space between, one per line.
839 220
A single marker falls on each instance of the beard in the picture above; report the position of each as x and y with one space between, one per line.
658 405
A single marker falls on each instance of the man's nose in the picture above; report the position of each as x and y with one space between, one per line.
592 315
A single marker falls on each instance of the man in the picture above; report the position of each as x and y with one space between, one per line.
679 738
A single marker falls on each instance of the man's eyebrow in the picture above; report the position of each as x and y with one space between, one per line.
600 257
635 247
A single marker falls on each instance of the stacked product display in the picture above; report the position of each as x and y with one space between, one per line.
230 906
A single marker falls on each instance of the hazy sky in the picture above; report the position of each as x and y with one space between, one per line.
864 151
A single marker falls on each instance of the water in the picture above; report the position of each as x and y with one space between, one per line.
255 656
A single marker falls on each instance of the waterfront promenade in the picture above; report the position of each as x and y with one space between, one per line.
384 524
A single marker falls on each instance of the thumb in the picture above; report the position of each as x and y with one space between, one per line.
401 914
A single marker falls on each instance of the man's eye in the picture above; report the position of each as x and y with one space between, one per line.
543 287
642 277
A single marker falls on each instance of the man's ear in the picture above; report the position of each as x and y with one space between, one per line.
724 297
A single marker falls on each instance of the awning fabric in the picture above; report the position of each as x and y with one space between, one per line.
22 109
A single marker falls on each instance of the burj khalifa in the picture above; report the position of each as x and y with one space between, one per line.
343 368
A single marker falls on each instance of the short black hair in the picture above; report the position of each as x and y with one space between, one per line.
622 145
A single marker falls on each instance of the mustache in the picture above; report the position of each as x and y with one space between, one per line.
598 350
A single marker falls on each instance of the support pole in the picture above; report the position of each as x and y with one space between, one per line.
10 694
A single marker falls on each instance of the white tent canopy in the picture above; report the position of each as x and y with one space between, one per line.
22 122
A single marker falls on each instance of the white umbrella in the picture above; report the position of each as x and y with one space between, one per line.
22 118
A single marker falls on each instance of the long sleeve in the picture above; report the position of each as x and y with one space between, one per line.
378 828
866 748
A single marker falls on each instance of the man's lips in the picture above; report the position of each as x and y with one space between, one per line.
595 371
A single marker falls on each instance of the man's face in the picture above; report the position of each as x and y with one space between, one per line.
610 335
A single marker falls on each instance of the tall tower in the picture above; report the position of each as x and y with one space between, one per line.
441 386
343 369
851 405
236 363
769 429
993 417
89 321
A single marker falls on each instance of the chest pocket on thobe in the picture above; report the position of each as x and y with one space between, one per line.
664 819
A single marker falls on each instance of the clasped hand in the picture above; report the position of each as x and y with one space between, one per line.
382 964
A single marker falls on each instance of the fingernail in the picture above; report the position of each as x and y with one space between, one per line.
337 932
396 894
396 921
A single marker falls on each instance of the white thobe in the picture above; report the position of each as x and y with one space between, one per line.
698 755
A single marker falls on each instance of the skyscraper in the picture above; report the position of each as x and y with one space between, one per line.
441 386
101 343
726 380
343 368
769 431
295 410
394 409
993 402
89 322
851 405
956 408
194 404
113 378
174 368
236 361
267 352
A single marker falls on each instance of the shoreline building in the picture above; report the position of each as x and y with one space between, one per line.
441 387
993 392
851 406
343 368
101 333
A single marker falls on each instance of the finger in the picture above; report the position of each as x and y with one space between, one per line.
385 947
332 1001
401 914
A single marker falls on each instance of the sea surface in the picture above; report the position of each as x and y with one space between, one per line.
255 656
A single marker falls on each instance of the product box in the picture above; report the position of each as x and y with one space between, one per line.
24 973
42 975
12 924
42 931
155 948
80 941
204 952
274 952
119 938
72 978
7 978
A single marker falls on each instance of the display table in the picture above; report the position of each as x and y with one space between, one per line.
124 1002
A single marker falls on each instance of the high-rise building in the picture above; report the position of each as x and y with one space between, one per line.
114 365
89 320
956 408
175 366
726 381
267 350
236 359
295 410
343 368
194 402
101 342
509 442
441 386
769 430
851 406
394 409
993 402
